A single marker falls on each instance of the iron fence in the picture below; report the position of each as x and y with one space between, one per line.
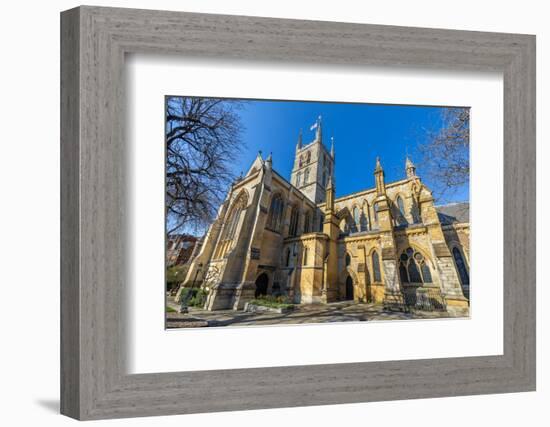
424 299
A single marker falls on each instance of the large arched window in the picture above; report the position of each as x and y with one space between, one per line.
413 267
275 213
461 266
294 216
376 276
307 222
231 224
306 176
298 179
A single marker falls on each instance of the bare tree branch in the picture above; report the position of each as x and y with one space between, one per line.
445 151
202 141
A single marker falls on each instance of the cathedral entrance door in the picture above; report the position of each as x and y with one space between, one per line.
261 285
349 288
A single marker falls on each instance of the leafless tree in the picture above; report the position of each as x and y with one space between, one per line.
202 141
445 152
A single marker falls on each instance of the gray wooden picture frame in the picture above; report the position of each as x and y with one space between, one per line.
94 41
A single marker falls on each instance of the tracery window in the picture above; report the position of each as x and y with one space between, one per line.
275 213
231 224
377 277
294 216
413 267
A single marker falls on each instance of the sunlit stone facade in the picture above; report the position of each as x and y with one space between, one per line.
388 244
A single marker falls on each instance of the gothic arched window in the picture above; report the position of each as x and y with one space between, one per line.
400 211
413 267
461 266
307 222
348 260
356 217
377 277
298 179
308 157
231 224
306 176
321 221
400 206
305 255
275 213
287 257
294 216
375 210
364 218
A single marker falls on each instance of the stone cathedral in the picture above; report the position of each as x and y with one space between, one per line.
388 244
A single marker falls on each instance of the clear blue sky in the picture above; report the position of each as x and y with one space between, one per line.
361 133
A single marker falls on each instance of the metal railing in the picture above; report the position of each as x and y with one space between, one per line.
423 299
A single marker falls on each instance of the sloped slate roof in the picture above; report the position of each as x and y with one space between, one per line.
453 213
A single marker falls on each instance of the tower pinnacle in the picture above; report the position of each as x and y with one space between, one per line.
379 178
319 131
299 143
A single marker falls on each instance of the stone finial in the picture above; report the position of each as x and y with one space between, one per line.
378 167
332 147
410 168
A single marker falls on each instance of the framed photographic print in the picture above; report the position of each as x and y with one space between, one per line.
304 212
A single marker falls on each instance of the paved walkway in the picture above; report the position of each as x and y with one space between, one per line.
311 313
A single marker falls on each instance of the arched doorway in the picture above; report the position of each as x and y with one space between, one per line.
261 285
349 288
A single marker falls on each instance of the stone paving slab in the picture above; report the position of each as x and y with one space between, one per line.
311 313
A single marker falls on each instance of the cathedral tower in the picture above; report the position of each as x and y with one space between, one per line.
313 166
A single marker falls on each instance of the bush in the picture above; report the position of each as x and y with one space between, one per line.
193 297
199 298
280 301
